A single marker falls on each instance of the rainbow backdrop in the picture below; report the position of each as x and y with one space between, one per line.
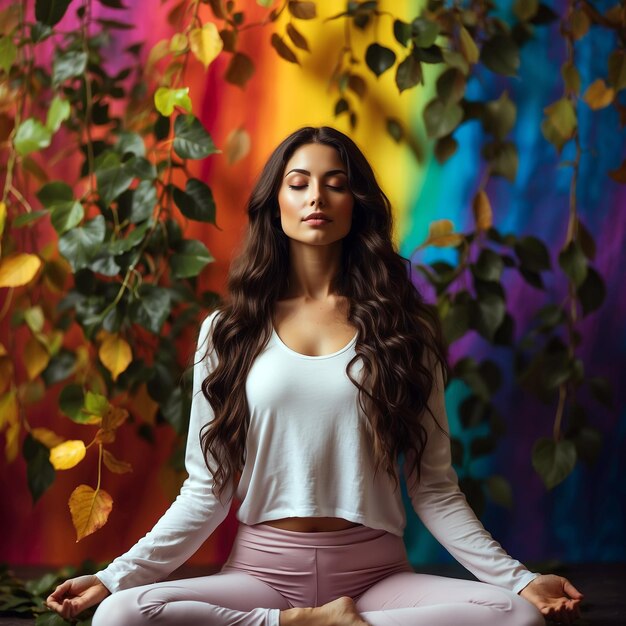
584 518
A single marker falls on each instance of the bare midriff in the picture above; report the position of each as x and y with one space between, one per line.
311 524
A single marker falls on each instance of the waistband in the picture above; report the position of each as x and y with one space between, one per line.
264 533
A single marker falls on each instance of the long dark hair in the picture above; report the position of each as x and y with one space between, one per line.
398 333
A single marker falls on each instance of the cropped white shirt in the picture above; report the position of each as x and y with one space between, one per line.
307 455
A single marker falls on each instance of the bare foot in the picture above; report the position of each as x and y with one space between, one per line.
339 612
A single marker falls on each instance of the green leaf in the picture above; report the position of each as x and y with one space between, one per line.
24 219
129 142
68 65
592 292
56 192
196 202
503 158
189 259
532 253
379 58
525 9
424 32
501 55
50 619
573 263
31 135
39 471
71 400
451 85
80 245
409 73
561 116
488 266
165 99
500 116
553 460
95 404
499 490
152 308
134 238
113 177
487 314
402 32
66 215
50 12
58 112
8 52
456 322
441 118
191 139
144 201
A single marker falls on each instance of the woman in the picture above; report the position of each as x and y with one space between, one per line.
322 367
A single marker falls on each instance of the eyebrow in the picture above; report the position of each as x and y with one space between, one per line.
328 173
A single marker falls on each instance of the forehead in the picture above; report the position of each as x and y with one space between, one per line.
315 157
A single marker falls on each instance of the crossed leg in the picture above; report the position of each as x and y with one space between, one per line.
223 599
411 599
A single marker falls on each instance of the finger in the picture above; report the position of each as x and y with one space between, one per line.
61 590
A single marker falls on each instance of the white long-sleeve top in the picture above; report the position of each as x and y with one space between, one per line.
308 455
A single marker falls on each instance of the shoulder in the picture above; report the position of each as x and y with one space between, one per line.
206 329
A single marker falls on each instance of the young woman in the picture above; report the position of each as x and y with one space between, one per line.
318 371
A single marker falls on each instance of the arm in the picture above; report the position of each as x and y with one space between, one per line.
195 513
442 507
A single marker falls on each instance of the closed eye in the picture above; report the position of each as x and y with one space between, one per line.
334 188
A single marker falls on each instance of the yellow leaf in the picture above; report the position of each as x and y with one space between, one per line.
178 42
115 354
483 214
30 392
562 116
18 269
468 46
90 510
580 24
440 228
67 454
55 274
6 373
598 95
3 216
237 145
115 465
114 418
206 43
143 406
3 350
12 442
8 409
47 437
36 358
158 51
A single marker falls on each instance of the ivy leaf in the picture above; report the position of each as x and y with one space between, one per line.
143 202
441 118
68 454
599 95
50 12
409 73
468 46
152 307
487 314
66 215
501 55
31 135
499 490
283 50
68 65
89 509
191 139
196 202
205 43
165 99
8 52
240 69
591 292
424 32
18 269
58 112
39 471
532 253
130 143
573 263
402 32
379 58
297 37
553 460
499 116
488 266
302 10
113 177
190 258
80 245
71 401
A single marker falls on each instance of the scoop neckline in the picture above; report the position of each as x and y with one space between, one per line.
285 347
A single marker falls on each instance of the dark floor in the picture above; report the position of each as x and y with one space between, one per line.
604 586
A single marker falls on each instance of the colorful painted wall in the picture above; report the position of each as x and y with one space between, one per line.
584 518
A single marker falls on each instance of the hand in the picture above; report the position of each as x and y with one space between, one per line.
76 595
555 597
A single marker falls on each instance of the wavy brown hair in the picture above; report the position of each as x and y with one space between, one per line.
397 331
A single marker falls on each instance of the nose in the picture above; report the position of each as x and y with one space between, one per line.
316 194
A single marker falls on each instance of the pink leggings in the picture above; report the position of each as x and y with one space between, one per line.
270 569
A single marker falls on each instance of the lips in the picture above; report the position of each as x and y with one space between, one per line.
317 216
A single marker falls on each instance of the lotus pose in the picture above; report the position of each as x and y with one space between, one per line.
318 382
